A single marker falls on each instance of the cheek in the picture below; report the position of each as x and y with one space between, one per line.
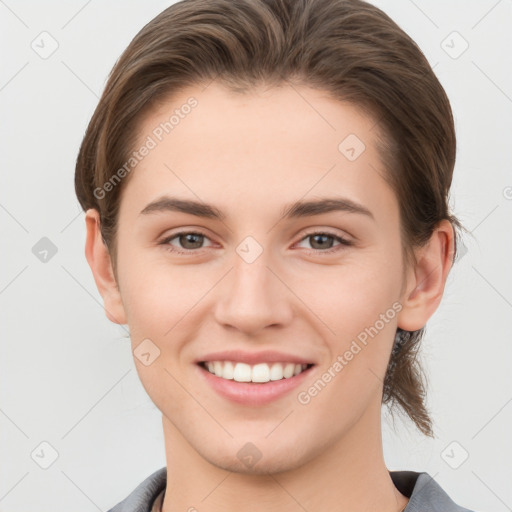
358 302
350 296
158 295
353 295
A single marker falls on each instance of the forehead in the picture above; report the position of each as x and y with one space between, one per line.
265 146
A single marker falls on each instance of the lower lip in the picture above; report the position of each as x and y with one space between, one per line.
252 393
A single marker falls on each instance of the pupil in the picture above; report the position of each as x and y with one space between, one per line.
315 237
190 238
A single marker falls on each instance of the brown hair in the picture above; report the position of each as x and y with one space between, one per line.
348 48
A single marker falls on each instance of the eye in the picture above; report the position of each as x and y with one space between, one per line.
188 240
323 242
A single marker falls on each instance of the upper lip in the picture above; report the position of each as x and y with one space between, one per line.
266 356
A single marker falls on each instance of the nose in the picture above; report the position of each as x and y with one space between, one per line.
253 296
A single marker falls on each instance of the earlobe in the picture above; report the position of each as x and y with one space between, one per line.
426 281
100 262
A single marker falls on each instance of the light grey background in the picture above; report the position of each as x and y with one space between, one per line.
67 374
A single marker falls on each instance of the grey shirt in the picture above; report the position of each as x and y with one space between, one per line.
424 493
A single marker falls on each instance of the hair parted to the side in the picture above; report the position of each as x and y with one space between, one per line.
347 48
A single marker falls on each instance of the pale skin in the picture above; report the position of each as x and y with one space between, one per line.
250 155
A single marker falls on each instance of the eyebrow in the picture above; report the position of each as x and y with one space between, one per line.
295 210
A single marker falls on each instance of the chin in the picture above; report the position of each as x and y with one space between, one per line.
265 466
255 459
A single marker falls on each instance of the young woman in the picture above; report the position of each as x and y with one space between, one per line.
266 191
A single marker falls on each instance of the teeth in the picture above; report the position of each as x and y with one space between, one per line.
262 372
228 371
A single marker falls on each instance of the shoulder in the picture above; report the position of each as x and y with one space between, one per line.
424 493
142 497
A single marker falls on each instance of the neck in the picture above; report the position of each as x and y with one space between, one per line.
349 475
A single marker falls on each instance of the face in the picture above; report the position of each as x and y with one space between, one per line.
251 274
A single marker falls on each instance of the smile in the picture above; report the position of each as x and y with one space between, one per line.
257 373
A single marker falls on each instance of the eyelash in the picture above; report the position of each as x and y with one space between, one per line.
342 242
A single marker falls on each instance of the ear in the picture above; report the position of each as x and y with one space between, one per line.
100 262
425 282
